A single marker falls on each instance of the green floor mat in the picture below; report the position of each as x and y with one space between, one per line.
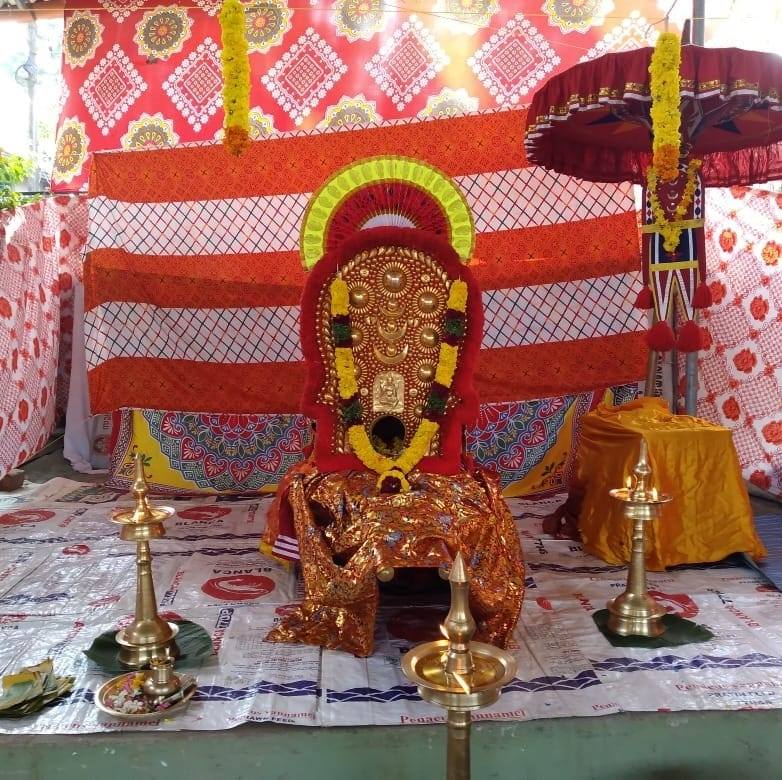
678 631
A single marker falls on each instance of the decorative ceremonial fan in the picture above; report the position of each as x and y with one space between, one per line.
386 191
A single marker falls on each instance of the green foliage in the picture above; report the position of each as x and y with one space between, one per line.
14 169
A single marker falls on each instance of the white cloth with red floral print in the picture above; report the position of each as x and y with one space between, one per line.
741 370
40 256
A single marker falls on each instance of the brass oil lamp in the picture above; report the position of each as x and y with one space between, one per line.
635 612
148 636
458 674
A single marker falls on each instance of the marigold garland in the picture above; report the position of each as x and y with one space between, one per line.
671 230
340 297
446 366
393 472
665 110
346 371
236 77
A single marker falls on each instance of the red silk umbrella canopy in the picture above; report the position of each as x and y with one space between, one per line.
592 120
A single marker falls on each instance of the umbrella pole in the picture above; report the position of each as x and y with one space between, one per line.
691 366
651 373
691 386
698 22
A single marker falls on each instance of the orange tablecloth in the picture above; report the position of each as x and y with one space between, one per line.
693 460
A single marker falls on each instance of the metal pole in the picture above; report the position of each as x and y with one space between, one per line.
458 763
31 66
651 374
674 353
698 22
691 383
691 363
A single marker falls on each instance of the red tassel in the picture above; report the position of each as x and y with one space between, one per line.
702 297
690 337
644 299
660 338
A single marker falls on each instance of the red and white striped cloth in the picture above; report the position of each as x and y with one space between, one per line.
193 275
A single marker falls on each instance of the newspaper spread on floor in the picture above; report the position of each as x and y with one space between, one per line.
65 578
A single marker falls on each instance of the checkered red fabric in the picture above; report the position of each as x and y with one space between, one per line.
193 277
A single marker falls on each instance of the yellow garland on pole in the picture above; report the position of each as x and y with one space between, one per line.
665 110
346 380
671 230
236 77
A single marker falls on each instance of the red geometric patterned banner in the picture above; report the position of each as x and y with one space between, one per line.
138 74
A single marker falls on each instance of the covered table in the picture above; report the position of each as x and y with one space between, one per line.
693 460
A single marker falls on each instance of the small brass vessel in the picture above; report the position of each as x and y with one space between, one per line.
148 636
160 681
458 674
635 612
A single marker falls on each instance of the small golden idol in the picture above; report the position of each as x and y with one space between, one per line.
635 612
458 674
148 636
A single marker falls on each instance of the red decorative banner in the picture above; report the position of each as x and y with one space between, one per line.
139 74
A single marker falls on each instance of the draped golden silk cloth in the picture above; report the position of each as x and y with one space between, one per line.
693 460
407 294
349 530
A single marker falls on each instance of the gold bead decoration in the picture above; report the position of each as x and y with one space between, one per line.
426 372
427 302
429 338
356 336
359 297
394 280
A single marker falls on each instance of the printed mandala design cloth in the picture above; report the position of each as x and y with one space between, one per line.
741 371
529 444
40 256
208 453
138 74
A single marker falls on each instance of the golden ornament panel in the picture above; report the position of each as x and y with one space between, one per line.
397 297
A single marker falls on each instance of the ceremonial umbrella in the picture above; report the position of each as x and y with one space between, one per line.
593 121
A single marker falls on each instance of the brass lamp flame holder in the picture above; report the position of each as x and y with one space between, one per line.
635 612
458 674
148 637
